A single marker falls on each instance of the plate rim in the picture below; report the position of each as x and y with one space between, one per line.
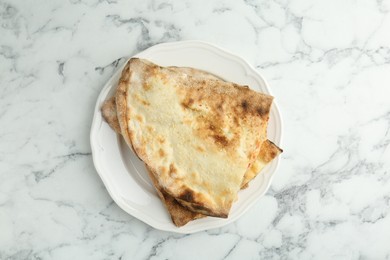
97 121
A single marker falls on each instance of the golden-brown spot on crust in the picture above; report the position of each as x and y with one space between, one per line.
161 139
161 153
225 192
211 129
187 121
269 151
235 120
194 175
164 170
206 184
220 107
172 169
147 86
244 186
146 103
200 149
149 128
151 69
187 103
139 118
141 100
164 78
151 72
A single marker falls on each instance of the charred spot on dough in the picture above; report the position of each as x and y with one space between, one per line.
221 140
204 210
199 207
261 111
212 127
187 195
244 105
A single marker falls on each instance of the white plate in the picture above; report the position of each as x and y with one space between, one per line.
124 175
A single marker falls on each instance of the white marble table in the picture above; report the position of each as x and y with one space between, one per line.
327 62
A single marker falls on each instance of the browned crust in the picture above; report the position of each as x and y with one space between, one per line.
179 214
269 151
194 206
247 105
110 115
121 102
194 202
121 108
